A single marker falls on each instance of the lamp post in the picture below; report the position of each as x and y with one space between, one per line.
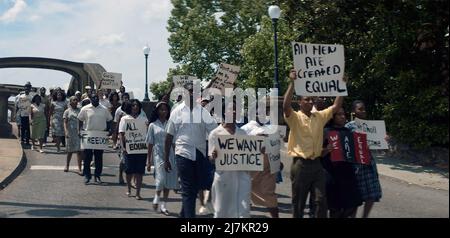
146 53
274 13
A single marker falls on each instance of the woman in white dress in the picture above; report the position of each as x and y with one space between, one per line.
230 191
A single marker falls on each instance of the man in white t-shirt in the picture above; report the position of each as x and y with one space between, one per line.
23 104
188 126
94 118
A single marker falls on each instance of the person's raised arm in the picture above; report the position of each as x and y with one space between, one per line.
287 107
339 100
337 104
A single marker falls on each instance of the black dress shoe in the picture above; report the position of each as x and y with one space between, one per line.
86 180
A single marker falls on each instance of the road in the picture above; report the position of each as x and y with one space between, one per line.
44 190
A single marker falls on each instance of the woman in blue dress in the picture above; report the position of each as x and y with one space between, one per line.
164 180
57 109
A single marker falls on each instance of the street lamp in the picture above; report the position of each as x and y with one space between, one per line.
146 52
274 13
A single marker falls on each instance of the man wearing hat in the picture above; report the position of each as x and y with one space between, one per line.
78 96
87 92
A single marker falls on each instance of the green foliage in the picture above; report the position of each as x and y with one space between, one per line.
159 89
396 52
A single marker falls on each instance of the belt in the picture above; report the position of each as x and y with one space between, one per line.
306 160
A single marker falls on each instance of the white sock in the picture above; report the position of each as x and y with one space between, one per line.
156 199
163 206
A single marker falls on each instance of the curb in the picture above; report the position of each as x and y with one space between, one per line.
16 172
429 180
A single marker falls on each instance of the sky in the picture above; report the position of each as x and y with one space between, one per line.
109 32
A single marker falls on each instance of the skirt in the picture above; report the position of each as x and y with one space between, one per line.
135 163
263 187
38 129
164 179
368 181
73 143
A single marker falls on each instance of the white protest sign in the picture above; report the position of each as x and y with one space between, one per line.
225 77
375 131
111 80
135 133
131 94
273 146
320 69
240 153
181 80
95 140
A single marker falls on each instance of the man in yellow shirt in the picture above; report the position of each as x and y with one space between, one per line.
305 146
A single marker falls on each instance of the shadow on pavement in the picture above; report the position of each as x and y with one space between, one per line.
52 213
411 166
63 207
282 208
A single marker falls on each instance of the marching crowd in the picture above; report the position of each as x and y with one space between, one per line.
183 152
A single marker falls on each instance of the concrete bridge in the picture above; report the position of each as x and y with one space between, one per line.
6 91
83 74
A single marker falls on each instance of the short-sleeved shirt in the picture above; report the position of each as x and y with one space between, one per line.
122 125
105 103
306 133
188 132
23 103
120 113
94 118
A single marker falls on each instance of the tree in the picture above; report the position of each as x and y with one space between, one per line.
396 59
396 52
162 88
258 56
207 33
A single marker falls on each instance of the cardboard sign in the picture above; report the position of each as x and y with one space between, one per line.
135 134
348 147
320 69
180 80
273 148
361 149
225 77
375 131
240 153
111 80
95 140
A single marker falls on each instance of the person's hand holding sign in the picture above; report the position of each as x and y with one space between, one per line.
213 155
263 150
292 75
327 150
